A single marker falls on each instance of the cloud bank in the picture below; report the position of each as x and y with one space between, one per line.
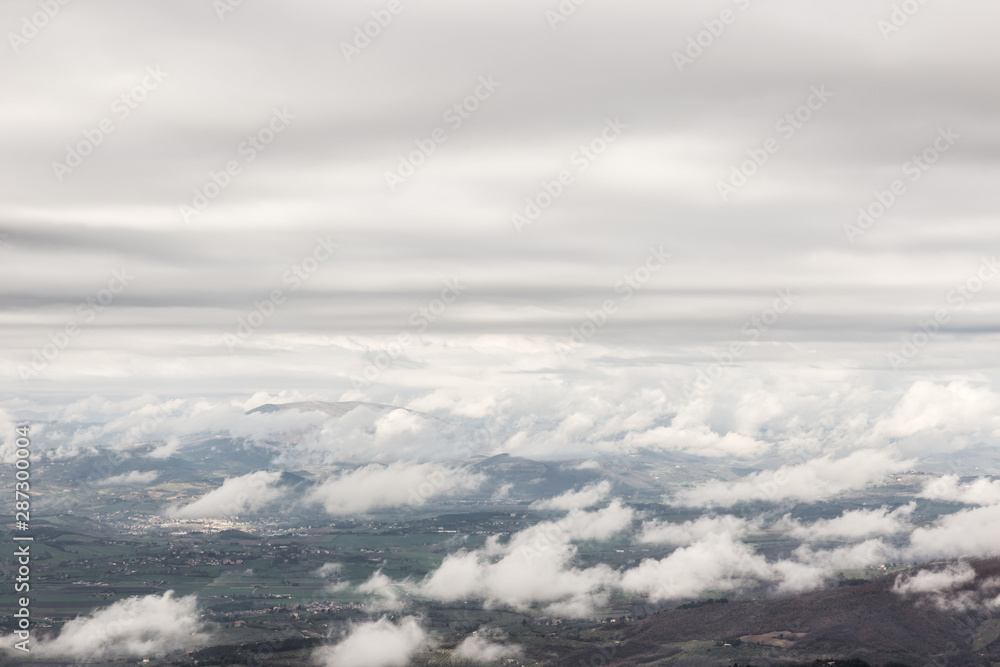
478 648
979 492
377 486
534 567
380 643
238 495
810 481
137 627
851 525
576 500
133 478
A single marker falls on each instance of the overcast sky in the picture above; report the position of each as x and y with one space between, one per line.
184 84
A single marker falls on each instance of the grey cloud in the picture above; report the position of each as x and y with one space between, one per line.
655 185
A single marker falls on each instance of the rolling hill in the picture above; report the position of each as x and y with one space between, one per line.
868 621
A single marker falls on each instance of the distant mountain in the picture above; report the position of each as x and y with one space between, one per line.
866 621
505 463
291 479
338 409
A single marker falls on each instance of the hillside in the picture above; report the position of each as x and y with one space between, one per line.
865 621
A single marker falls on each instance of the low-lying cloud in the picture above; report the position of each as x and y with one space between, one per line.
237 495
377 486
139 626
953 587
682 534
716 562
386 593
973 532
535 566
380 643
982 491
811 481
478 648
935 581
133 478
586 497
851 525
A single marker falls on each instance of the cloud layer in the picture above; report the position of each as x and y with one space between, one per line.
380 643
376 487
812 480
137 627
238 495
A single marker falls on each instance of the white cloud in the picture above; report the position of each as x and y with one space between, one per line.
851 525
133 478
813 480
478 648
237 495
796 577
329 569
940 580
139 626
951 588
809 569
717 562
380 643
535 566
167 449
586 497
971 532
929 410
853 556
376 486
743 414
387 592
700 440
502 493
982 491
368 434
681 534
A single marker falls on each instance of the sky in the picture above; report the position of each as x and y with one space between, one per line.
728 213
734 229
